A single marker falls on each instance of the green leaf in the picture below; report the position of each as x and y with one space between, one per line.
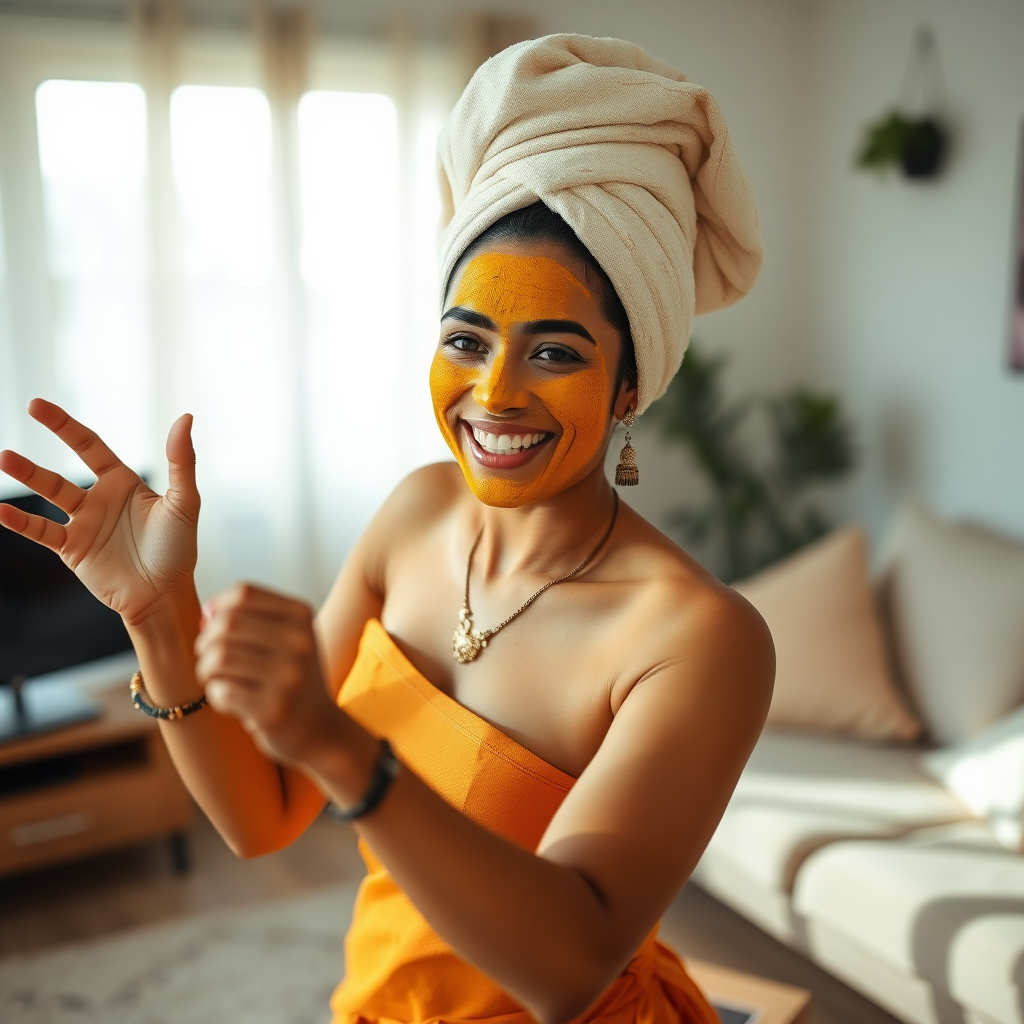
755 510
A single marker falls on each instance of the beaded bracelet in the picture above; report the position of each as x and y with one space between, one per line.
167 714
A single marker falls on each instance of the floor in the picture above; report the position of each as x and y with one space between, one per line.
138 886
117 891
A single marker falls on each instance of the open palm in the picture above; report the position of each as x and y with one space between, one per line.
130 546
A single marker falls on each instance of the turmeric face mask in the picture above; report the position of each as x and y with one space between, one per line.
522 379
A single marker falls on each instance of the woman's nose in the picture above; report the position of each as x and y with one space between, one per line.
499 387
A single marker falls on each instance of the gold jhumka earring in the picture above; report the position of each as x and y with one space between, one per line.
627 474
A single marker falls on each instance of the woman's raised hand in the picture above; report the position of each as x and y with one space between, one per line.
134 549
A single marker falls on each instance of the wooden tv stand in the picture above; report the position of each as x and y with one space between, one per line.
88 788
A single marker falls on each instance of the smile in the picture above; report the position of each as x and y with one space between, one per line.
514 446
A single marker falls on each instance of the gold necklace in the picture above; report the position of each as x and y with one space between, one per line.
467 642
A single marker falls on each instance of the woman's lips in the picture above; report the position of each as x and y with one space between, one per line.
512 459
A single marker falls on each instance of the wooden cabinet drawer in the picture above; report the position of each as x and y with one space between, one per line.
98 811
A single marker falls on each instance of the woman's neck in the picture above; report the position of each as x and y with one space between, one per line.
548 537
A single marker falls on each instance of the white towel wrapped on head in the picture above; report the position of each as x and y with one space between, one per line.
633 157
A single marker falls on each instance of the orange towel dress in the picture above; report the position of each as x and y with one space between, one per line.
398 969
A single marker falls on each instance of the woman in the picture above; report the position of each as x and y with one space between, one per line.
560 772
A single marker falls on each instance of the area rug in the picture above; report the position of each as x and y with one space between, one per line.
276 963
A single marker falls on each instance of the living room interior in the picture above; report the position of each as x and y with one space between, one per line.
843 446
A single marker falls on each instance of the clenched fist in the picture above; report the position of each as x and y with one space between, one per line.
257 657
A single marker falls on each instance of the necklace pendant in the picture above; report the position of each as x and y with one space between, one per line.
467 642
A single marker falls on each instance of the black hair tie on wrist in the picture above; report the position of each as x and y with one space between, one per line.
384 772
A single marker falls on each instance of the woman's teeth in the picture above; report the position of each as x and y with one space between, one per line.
499 444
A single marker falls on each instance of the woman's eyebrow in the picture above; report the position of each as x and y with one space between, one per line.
470 316
556 327
531 327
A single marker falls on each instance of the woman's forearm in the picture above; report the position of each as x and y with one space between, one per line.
256 805
540 929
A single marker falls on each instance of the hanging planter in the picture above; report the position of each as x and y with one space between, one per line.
915 143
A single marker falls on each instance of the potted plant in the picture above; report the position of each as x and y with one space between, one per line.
917 145
758 510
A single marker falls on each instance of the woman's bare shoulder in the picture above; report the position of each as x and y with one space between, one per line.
425 494
686 616
416 505
420 503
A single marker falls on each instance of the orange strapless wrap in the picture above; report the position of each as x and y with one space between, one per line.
397 968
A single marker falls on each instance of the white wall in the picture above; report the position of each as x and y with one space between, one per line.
908 286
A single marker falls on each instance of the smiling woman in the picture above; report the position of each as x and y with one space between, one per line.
526 816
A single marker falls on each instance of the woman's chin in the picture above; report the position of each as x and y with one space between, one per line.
501 492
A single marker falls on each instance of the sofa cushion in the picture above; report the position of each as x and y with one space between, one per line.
831 669
954 595
934 905
799 792
987 774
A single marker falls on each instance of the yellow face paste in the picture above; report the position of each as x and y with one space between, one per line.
508 382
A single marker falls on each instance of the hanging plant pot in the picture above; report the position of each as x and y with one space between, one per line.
916 145
924 148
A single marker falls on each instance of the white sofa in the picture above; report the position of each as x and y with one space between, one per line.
849 852
852 852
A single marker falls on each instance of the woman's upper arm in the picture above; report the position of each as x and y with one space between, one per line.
641 814
352 601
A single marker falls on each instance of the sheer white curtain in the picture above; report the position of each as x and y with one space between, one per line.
239 225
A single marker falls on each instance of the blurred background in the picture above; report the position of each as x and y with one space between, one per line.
230 208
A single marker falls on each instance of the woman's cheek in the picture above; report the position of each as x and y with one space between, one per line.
580 402
448 382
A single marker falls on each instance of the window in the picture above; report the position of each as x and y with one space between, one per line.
264 261
221 150
9 412
92 158
351 266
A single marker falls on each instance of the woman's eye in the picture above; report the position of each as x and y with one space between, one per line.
557 354
463 343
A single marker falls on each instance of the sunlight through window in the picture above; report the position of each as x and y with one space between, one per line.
221 146
221 149
92 152
10 413
348 151
430 446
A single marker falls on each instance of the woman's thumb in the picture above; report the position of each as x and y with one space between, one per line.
181 464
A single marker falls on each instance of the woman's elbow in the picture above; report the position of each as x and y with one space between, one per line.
248 844
565 1007
573 993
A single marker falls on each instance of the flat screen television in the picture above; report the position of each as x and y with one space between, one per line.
48 622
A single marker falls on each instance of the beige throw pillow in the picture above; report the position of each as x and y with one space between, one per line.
954 594
831 669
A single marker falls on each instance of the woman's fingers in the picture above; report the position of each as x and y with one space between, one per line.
247 665
85 443
247 598
181 466
49 485
43 531
250 631
231 697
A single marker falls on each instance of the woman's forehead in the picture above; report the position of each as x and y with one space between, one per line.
516 285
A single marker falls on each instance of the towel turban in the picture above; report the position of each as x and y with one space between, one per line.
633 157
